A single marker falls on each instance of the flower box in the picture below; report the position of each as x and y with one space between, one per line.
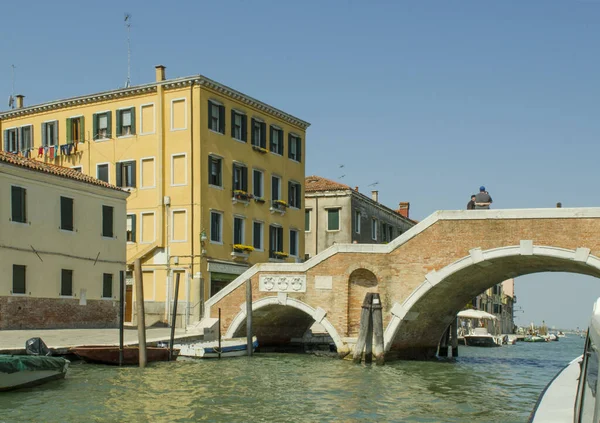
241 248
238 194
260 149
259 200
280 254
280 203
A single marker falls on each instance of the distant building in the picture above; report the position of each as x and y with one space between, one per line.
62 246
336 213
499 300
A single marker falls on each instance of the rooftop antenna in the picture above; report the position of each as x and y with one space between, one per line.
128 25
373 184
11 98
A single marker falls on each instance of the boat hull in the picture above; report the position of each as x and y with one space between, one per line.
235 347
131 355
29 376
480 341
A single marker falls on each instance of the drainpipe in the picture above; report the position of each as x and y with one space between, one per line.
167 202
316 232
191 182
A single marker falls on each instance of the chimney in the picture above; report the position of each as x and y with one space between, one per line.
558 205
160 73
20 101
375 196
404 208
356 189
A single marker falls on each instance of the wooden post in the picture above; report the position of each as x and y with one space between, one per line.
443 352
365 323
455 338
369 340
378 330
249 316
174 318
219 335
141 316
121 314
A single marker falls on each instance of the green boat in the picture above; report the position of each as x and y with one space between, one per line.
21 371
534 338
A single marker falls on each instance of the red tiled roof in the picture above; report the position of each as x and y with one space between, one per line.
317 183
63 172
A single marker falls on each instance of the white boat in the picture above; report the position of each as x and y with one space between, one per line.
233 347
22 371
571 395
478 336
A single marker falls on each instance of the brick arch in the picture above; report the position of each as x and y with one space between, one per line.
360 282
427 312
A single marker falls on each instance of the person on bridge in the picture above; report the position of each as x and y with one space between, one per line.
483 199
471 204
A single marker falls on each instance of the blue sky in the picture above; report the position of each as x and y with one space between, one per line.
430 99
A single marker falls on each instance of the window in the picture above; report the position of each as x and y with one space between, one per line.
259 136
333 219
75 130
107 221
275 240
294 193
131 227
126 174
66 214
276 140
26 138
238 230
294 148
66 282
384 232
294 242
390 232
107 285
216 117
307 213
238 126
257 235
215 171
275 188
240 177
147 227
78 168
497 308
216 229
102 125
102 172
357 222
18 279
178 114
11 140
49 133
19 204
147 125
257 183
126 122
374 229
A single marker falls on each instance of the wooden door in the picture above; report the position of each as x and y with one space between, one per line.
129 303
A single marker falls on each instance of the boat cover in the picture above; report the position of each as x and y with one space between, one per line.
19 363
476 314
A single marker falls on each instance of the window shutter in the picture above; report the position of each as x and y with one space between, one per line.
209 108
119 174
232 123
209 170
6 140
233 178
69 131
289 146
44 137
244 128
133 172
281 142
132 120
19 138
299 148
133 227
66 213
253 139
271 130
95 126
290 197
109 125
56 132
107 221
263 135
81 129
222 119
118 116
16 204
245 178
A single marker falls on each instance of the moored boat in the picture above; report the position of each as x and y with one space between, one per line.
478 336
103 354
534 338
21 371
233 347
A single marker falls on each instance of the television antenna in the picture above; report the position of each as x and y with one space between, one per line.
373 184
11 98
128 25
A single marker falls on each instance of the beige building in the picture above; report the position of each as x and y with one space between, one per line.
336 213
499 300
215 176
62 246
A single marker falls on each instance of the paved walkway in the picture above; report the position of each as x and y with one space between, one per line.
60 340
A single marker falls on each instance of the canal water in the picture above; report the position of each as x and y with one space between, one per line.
482 385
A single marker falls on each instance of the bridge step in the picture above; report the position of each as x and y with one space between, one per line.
207 326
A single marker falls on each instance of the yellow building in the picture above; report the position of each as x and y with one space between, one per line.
207 168
62 247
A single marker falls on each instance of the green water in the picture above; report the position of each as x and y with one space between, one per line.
482 385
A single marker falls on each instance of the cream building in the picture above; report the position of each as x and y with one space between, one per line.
62 247
207 167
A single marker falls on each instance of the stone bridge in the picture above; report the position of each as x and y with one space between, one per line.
424 277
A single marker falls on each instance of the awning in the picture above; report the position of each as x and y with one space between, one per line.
476 314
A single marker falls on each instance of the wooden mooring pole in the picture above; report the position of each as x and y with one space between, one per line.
174 318
455 338
377 317
249 316
443 351
121 314
141 317
219 335
366 328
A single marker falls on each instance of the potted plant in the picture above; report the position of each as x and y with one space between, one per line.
280 254
280 203
241 248
259 199
260 149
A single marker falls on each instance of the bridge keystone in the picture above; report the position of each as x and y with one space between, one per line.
582 254
476 255
526 247
282 298
319 315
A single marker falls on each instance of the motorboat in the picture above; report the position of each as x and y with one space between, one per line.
571 396
232 347
479 335
535 338
107 354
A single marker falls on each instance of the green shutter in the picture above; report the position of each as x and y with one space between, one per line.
119 129
233 124
82 129
44 140
119 174
69 132
95 126
222 119
18 279
289 146
133 227
66 213
209 108
290 198
244 128
107 221
333 219
109 125
132 120
263 133
6 146
18 204
253 139
133 174
245 178
299 148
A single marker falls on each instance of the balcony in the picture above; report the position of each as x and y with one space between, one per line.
241 251
279 206
241 196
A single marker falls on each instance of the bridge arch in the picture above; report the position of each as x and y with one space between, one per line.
360 281
318 315
427 312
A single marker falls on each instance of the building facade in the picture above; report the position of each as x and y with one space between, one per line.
62 247
215 178
499 300
336 213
